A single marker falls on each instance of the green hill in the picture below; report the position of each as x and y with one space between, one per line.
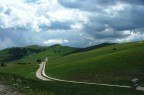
90 48
107 63
51 52
116 64
26 65
32 52
35 47
16 53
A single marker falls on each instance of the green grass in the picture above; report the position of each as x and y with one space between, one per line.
16 53
60 88
22 67
103 65
50 52
33 52
27 70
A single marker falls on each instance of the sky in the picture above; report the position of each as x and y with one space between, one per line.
75 23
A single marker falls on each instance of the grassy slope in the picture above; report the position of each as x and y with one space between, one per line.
16 53
28 70
103 65
91 48
57 88
60 88
51 52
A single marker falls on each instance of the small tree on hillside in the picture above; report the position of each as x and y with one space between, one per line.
59 51
38 60
3 65
114 48
54 51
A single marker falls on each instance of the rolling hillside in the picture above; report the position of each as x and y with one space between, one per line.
33 52
91 48
26 65
16 53
110 63
116 64
51 52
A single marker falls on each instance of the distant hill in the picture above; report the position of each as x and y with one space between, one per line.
91 48
33 51
35 47
16 53
53 51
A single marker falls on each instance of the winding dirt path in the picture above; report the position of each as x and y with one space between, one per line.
41 75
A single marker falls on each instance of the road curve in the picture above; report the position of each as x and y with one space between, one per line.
39 73
43 76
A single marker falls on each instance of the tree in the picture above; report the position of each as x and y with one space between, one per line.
38 60
59 51
54 51
114 48
3 65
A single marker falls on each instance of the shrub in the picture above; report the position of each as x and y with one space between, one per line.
19 63
29 63
114 48
3 65
23 63
38 60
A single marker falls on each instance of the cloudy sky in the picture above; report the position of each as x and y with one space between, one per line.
77 23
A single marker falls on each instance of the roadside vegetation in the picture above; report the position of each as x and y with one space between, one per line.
28 86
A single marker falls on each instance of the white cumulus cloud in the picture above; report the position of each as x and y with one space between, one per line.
55 41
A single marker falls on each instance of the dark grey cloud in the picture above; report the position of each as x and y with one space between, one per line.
139 2
94 5
129 19
57 25
23 37
87 5
17 38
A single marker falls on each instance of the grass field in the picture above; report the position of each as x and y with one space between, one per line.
103 65
115 64
37 87
27 65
